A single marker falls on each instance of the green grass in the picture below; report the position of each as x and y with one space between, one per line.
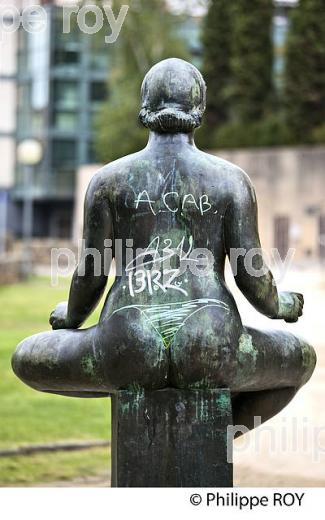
27 416
54 467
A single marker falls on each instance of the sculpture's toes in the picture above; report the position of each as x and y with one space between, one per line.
31 358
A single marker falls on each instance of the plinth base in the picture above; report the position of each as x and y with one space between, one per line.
171 438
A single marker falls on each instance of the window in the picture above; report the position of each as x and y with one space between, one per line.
65 121
65 95
62 57
64 152
28 119
98 92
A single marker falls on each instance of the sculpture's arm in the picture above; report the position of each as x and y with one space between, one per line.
90 277
243 248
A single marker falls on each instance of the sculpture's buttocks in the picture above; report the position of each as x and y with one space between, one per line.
168 208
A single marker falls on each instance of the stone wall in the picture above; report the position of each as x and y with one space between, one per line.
11 270
41 249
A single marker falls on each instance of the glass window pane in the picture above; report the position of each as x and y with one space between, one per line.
65 95
62 57
64 152
98 91
66 121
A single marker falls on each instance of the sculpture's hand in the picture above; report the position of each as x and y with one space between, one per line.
58 318
290 306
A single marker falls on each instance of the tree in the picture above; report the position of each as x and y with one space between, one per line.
252 59
216 40
305 71
147 36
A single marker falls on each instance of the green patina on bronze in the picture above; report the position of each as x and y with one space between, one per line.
156 331
88 364
247 351
223 401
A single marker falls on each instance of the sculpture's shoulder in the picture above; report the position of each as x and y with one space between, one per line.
220 164
234 177
109 174
116 170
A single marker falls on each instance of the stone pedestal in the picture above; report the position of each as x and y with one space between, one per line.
171 438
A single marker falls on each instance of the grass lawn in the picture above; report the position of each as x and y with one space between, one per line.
27 416
58 467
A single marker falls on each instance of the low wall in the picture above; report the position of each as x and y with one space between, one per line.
41 249
11 270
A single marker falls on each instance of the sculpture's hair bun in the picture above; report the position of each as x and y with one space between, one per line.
170 120
173 97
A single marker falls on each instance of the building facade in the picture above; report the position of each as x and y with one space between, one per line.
58 82
8 71
61 83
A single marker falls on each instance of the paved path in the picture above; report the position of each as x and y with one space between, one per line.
292 451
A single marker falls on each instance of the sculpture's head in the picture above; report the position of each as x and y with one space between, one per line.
172 97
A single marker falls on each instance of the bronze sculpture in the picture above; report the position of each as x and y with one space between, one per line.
167 327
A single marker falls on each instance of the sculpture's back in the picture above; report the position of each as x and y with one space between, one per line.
171 214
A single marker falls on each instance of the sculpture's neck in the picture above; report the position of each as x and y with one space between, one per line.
177 139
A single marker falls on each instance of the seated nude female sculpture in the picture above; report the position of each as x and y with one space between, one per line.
171 327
